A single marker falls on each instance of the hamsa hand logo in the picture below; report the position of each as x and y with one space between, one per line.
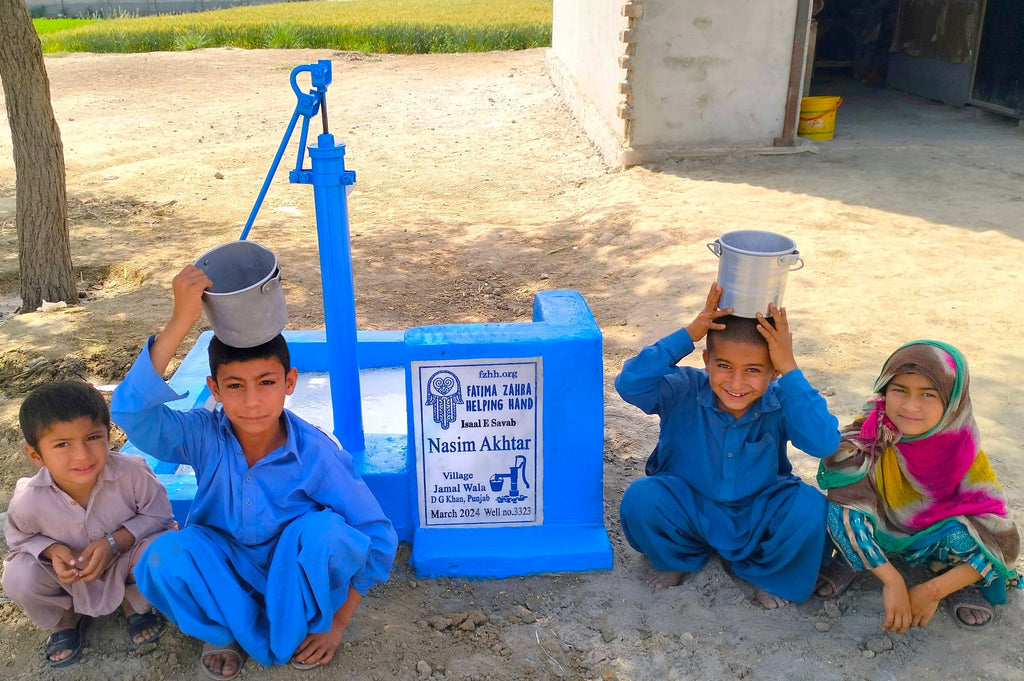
443 393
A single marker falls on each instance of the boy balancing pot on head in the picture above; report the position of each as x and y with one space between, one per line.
283 538
79 525
911 481
719 479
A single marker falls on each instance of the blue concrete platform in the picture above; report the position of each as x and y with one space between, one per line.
566 529
384 463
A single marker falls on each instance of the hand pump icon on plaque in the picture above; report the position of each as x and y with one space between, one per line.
514 473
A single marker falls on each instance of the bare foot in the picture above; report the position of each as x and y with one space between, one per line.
663 579
769 601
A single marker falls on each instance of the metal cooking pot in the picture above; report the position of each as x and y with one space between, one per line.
752 269
245 305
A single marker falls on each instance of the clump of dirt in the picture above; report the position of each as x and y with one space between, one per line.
91 221
101 281
9 281
20 372
111 363
113 211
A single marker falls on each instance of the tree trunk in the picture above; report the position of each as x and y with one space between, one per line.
44 252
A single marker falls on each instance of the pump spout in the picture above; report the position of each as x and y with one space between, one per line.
521 465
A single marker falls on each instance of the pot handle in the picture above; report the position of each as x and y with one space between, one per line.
791 259
715 248
275 280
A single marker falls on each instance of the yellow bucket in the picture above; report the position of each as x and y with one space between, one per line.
818 117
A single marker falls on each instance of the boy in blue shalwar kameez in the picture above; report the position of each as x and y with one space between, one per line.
283 538
719 480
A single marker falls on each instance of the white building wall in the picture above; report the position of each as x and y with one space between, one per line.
711 73
584 64
702 75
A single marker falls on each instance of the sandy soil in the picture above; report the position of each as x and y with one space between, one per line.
476 189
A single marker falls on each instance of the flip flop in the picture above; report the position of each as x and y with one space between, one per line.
969 597
139 622
230 649
66 639
837 575
302 666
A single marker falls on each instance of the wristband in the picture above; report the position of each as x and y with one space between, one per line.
113 544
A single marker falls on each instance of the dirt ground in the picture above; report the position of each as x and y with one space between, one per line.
476 189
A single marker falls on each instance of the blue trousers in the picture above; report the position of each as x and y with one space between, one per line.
775 540
268 599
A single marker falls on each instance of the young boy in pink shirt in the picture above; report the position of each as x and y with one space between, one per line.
77 528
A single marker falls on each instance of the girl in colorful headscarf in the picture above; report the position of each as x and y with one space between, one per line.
909 480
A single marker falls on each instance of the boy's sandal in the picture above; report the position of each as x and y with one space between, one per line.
970 598
302 666
66 639
837 575
139 622
230 649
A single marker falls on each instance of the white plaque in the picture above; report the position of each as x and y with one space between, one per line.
478 441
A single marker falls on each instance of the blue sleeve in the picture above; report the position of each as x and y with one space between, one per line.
809 425
345 492
139 407
651 380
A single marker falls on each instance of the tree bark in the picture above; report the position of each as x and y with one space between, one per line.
44 251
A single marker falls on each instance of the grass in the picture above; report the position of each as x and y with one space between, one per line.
44 26
375 26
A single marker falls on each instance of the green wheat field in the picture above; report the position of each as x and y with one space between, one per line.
372 26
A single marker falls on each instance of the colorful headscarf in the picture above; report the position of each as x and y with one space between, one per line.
909 485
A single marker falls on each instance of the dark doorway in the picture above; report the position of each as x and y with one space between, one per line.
999 73
853 36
